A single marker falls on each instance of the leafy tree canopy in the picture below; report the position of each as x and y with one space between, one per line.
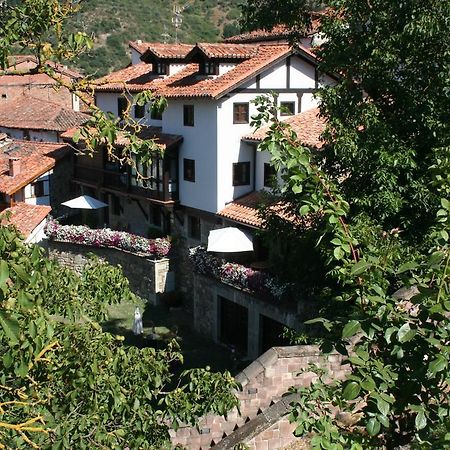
64 383
376 199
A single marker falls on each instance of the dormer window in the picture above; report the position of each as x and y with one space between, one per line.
210 68
160 68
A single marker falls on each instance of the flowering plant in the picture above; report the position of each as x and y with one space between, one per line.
105 237
236 274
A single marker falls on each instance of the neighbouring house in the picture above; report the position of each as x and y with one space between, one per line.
34 179
36 119
17 81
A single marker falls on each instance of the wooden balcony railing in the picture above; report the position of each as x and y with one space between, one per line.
164 189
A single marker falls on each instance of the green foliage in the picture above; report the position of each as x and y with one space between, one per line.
376 200
64 383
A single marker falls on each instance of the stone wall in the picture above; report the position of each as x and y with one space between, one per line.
263 382
207 311
147 278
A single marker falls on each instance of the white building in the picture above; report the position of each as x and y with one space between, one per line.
210 89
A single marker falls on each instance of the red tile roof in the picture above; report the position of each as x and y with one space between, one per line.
164 140
28 62
244 210
35 114
165 51
227 51
188 82
308 126
36 158
25 217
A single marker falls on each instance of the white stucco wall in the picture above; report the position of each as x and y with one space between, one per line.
199 144
37 235
41 136
29 194
135 56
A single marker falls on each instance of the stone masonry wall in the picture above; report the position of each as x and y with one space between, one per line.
147 278
263 382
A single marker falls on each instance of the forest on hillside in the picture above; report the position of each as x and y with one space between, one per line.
114 23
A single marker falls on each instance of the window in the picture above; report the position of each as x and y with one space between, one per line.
139 111
241 174
122 104
269 175
155 215
240 112
160 68
210 68
189 169
115 205
194 230
287 108
156 114
188 115
38 189
4 96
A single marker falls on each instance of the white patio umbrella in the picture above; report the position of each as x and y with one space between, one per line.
231 239
84 202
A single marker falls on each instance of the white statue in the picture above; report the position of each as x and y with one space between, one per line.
138 328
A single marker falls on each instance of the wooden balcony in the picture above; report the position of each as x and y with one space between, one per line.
162 189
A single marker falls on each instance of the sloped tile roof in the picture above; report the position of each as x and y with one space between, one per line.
308 125
26 217
35 114
188 82
36 158
167 51
164 140
30 62
228 51
244 210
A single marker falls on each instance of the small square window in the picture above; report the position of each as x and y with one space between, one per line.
139 111
122 105
241 174
189 169
210 68
287 108
188 115
160 68
269 175
240 112
38 189
4 96
194 228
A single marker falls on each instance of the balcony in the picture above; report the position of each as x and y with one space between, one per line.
160 184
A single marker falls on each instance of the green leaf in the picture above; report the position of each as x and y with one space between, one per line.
304 210
407 266
360 267
4 272
405 333
338 253
383 406
10 327
373 426
445 204
421 421
437 365
351 390
350 329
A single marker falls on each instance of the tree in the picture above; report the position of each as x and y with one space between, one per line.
377 198
64 383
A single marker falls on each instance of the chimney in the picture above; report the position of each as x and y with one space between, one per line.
14 166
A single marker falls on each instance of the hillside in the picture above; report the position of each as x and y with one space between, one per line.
115 22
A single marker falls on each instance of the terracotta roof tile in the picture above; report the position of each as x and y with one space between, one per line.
188 82
164 140
167 51
25 217
28 62
36 158
244 210
35 114
228 51
308 126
